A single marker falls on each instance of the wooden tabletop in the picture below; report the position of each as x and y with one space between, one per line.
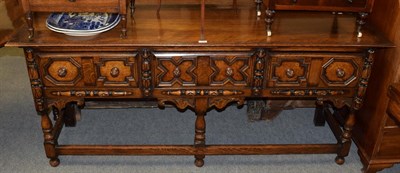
179 25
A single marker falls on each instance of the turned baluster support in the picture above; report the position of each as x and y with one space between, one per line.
200 129
29 21
258 7
361 20
269 19
123 23
132 7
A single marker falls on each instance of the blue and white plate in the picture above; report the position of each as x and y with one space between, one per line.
91 33
82 22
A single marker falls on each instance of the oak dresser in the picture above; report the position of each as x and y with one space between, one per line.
310 56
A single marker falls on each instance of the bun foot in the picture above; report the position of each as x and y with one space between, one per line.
54 162
339 160
199 162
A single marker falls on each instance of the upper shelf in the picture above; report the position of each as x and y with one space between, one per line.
179 25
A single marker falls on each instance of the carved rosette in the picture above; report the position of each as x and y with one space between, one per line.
306 92
36 82
146 57
259 67
363 82
94 93
200 92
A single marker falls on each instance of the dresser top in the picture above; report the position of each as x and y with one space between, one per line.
180 26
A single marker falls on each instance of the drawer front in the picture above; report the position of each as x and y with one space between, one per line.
101 70
203 69
321 4
313 70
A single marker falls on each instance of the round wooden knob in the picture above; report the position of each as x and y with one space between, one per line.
62 72
289 73
340 73
72 0
114 72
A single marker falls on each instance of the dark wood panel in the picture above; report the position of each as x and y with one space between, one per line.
369 131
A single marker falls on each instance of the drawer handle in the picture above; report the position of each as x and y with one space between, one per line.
72 0
114 72
177 72
340 73
62 72
289 73
229 72
294 1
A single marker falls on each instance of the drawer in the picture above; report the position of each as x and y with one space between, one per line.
85 70
77 5
313 70
323 5
203 69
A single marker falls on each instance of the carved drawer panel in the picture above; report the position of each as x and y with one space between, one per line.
339 72
288 71
102 70
62 71
314 70
117 71
203 69
231 70
175 70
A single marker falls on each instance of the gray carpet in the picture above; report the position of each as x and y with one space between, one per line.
22 149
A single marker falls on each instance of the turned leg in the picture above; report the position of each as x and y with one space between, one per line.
49 140
124 23
346 137
29 21
199 139
200 130
132 7
361 20
319 117
269 19
258 7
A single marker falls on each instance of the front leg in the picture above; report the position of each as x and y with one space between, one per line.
49 140
346 138
200 129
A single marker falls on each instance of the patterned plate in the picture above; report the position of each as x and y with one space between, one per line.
81 22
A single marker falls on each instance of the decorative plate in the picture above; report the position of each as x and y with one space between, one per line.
81 22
